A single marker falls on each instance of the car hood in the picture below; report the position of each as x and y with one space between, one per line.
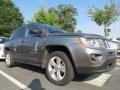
66 34
79 34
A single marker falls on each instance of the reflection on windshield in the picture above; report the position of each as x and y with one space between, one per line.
52 29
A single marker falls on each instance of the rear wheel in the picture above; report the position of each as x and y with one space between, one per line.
9 59
59 69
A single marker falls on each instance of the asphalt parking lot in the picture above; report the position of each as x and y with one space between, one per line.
27 77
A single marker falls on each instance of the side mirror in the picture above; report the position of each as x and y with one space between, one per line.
37 32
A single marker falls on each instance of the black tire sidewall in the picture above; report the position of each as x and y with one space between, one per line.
69 69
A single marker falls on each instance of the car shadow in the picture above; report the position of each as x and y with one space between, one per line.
35 85
2 60
31 68
78 77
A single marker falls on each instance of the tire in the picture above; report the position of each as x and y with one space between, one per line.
9 59
60 72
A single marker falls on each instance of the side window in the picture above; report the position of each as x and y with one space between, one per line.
28 33
21 32
18 33
12 35
30 28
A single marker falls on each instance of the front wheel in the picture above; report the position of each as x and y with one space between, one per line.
59 69
9 59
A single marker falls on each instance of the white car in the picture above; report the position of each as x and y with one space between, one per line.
2 41
115 45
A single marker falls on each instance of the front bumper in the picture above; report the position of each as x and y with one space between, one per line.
83 63
108 65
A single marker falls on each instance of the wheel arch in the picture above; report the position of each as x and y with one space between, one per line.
51 48
6 49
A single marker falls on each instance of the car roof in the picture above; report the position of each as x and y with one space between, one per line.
82 34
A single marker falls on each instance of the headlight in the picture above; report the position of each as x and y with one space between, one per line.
89 42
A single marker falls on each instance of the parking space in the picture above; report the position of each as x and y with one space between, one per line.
29 77
5 84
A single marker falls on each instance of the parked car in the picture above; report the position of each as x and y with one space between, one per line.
62 54
118 50
2 41
116 45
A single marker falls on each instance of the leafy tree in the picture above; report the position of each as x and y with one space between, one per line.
10 17
41 16
79 31
45 17
62 17
105 16
118 38
67 18
53 17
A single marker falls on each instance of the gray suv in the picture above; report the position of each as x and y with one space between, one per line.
62 54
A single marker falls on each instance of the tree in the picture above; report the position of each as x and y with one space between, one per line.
79 31
62 17
41 16
10 17
67 18
54 19
106 16
118 38
45 17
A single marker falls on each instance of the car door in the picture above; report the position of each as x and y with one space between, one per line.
29 46
16 38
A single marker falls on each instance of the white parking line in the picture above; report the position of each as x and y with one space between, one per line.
16 82
118 63
99 81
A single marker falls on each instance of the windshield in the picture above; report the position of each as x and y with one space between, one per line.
52 29
3 40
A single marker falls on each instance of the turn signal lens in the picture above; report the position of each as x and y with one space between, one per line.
83 41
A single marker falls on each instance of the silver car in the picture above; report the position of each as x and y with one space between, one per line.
2 41
116 45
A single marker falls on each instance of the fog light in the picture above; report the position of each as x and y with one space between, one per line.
96 57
